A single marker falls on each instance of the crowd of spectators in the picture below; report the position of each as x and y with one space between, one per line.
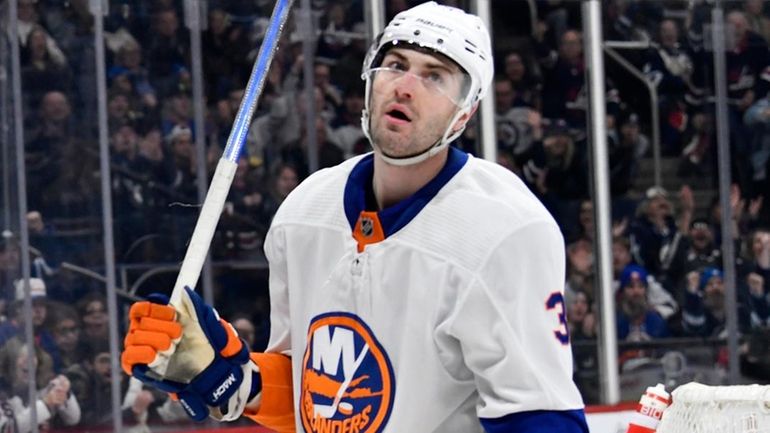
667 262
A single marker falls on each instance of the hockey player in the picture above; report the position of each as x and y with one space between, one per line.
413 289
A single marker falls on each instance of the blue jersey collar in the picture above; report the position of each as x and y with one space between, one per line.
395 217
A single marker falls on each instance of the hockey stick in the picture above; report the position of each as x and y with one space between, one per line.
195 352
325 411
223 175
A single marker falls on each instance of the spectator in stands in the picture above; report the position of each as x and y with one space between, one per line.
670 67
758 257
129 58
124 150
346 126
245 196
637 320
693 252
759 23
625 154
703 312
518 126
747 81
581 322
226 46
183 154
281 123
65 327
580 269
29 20
745 216
10 269
331 46
564 94
698 146
240 225
14 327
757 120
347 69
759 301
525 83
177 110
53 123
284 177
556 171
54 146
119 108
93 310
167 51
154 163
55 407
91 382
329 154
659 297
330 92
656 228
504 95
42 72
585 224
223 115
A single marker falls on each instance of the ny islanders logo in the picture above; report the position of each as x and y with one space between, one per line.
347 379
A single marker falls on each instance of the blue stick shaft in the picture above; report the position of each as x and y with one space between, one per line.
198 248
256 82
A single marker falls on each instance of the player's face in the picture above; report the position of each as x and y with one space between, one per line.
414 97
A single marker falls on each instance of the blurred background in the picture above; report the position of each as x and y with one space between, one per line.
174 75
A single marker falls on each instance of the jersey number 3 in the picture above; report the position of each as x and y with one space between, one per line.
556 301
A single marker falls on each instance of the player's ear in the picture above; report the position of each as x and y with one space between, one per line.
462 120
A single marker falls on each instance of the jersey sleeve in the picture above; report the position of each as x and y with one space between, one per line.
511 327
280 319
276 403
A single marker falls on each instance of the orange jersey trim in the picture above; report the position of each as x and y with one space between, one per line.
276 410
368 230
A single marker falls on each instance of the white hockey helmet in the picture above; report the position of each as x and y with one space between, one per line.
452 32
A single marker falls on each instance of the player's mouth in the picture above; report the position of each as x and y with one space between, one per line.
398 114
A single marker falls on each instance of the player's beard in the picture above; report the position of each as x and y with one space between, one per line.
400 141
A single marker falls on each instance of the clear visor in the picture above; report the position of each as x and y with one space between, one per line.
441 82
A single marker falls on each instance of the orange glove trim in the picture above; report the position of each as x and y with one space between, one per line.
276 410
155 340
136 355
150 309
234 343
152 329
173 330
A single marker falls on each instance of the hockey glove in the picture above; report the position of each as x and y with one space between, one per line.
192 354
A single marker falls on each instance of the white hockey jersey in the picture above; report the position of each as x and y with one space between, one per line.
456 314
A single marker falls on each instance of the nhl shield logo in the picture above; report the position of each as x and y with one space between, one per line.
367 226
347 379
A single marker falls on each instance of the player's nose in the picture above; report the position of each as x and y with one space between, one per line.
405 85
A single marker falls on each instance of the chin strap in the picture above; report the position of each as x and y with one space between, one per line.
436 148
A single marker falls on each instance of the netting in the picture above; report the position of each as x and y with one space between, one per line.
699 408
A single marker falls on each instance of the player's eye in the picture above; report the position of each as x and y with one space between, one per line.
435 77
397 65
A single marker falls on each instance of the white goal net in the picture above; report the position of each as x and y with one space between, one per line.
699 408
